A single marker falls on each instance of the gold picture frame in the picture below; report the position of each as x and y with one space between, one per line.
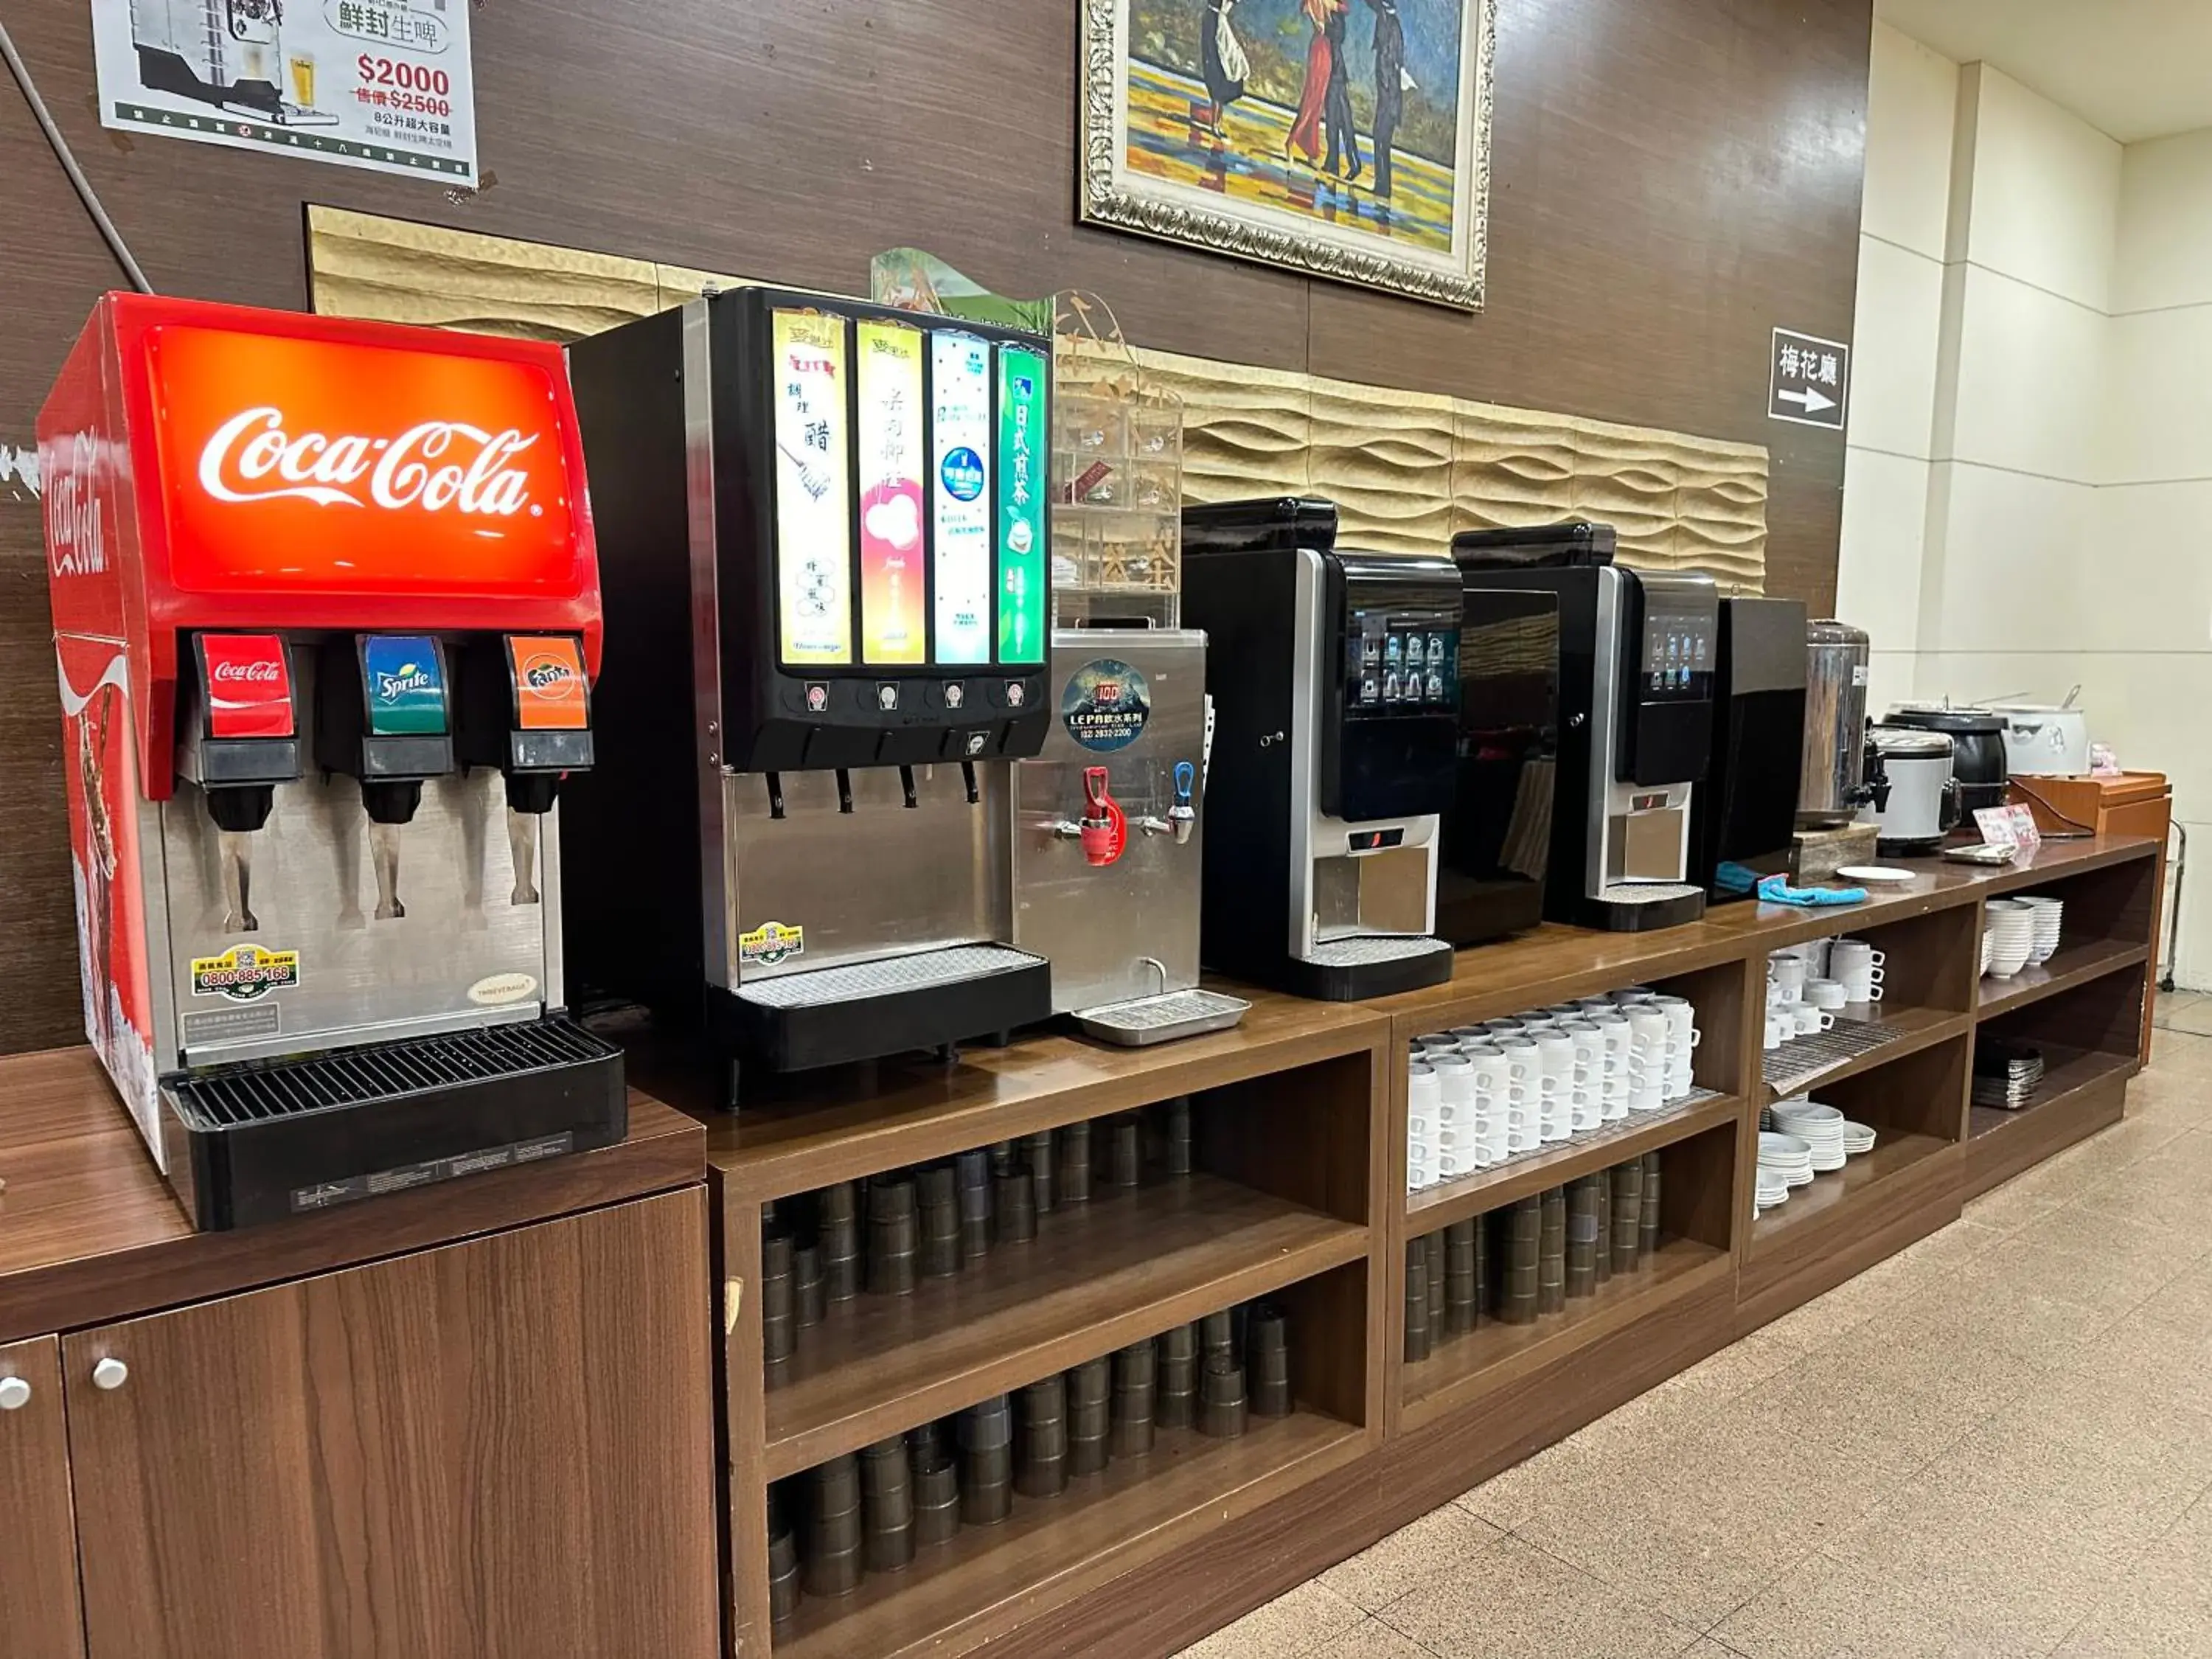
1260 129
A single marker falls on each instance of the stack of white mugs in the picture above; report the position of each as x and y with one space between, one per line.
1478 1095
1809 985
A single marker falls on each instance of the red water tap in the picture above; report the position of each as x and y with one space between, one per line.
1105 826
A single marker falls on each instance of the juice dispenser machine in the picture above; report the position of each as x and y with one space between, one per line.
327 614
1335 684
826 528
1636 652
1108 836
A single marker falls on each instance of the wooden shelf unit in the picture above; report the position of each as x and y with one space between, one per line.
1300 1196
2070 965
1098 1277
987 1581
1616 1143
1464 1368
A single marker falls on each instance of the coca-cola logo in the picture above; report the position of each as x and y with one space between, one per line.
434 465
246 673
77 540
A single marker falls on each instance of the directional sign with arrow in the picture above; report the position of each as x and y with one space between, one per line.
1808 380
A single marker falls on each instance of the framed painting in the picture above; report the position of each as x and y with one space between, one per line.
1345 138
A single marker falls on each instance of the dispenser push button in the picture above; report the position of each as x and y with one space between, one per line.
249 686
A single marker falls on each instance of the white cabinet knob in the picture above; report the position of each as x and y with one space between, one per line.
15 1393
110 1374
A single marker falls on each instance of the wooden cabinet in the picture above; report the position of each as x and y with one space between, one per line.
39 1610
498 1447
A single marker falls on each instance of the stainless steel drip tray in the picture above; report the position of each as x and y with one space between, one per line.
866 1010
1143 1021
1648 892
923 970
1367 948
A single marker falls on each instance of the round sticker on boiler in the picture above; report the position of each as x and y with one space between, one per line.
1105 705
963 469
499 989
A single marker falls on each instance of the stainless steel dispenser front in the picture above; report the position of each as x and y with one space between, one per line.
1132 701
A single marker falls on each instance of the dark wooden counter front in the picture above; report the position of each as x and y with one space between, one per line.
89 1230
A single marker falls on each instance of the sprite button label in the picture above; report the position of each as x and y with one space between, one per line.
1021 505
406 684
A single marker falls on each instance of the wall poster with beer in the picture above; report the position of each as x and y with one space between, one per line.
384 84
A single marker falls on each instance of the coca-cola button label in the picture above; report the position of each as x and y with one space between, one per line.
249 685
548 682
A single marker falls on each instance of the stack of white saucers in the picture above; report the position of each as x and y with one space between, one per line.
1821 1128
1770 1190
1857 1138
1787 1156
2012 936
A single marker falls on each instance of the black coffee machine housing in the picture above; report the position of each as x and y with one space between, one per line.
1498 833
1743 826
1636 652
1334 677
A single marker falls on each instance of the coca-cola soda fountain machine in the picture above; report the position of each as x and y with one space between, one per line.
327 612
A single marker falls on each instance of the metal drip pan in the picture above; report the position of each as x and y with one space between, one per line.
1143 1021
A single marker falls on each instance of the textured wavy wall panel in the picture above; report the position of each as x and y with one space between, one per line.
1407 469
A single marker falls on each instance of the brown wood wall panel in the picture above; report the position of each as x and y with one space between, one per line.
1670 180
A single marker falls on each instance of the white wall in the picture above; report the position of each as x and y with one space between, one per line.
1912 96
2053 527
2151 624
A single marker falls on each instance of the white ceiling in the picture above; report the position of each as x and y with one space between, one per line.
2132 68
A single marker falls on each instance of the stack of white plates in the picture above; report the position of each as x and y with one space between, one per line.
2011 937
1821 1128
1857 1137
1787 1156
1771 1189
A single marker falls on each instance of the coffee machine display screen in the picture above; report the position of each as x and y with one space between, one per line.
1677 664
1400 663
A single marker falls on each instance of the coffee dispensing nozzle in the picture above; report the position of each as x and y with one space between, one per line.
384 717
527 708
240 739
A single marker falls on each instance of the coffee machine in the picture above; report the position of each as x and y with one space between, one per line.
327 616
1496 848
1744 820
1334 685
1637 651
843 509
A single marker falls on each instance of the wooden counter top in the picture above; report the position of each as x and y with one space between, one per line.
1556 963
89 1232
819 1128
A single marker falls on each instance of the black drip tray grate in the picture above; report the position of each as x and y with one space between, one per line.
262 1093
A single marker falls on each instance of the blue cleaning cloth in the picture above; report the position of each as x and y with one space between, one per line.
1777 889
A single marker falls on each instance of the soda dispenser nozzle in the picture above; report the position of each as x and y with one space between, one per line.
525 707
241 741
385 717
906 783
775 795
844 790
967 777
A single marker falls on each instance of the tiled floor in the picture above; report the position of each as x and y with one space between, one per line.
1997 1444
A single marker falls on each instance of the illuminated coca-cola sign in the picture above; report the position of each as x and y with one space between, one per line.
313 466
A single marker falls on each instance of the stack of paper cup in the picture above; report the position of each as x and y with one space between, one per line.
1423 1092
